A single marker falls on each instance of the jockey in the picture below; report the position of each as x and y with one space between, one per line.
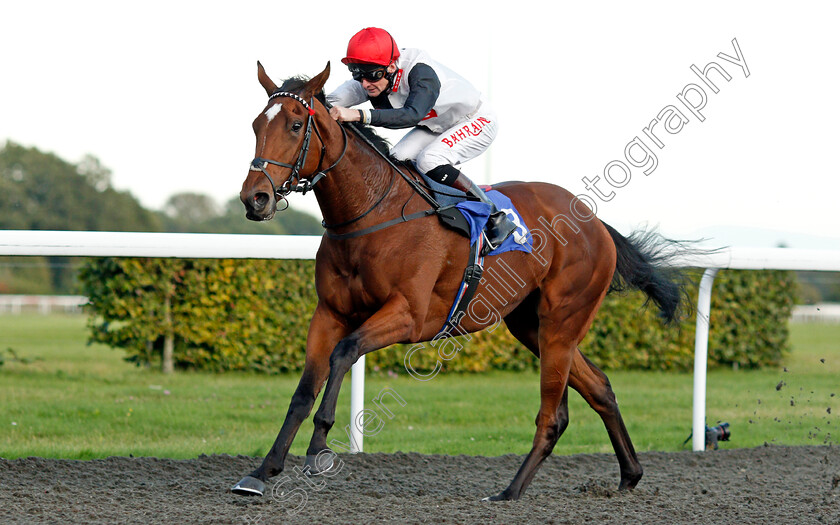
451 122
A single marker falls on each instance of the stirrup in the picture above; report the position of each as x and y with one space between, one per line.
499 239
488 244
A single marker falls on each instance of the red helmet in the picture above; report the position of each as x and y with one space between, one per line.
371 45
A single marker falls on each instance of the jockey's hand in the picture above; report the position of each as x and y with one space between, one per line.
344 114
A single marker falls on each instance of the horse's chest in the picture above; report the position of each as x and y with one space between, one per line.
359 294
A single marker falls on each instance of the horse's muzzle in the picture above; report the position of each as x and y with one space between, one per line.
260 206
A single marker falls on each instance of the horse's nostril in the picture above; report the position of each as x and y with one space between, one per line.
260 200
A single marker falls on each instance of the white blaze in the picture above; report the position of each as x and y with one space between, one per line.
273 111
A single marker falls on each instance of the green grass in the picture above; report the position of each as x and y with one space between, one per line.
65 399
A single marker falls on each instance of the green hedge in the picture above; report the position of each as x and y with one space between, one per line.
254 315
226 314
748 326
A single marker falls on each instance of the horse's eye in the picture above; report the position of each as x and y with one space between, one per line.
296 126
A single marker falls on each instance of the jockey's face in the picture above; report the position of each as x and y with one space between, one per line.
375 88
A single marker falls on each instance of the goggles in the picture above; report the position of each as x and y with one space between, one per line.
369 72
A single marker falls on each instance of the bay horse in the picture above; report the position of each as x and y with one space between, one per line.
396 284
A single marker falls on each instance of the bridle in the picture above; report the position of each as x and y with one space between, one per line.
295 183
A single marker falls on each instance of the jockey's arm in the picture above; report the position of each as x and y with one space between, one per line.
343 114
349 93
424 88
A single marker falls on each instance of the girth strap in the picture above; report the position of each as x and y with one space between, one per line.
469 284
381 226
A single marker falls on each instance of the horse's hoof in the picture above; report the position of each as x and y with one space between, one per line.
323 462
629 481
249 486
501 496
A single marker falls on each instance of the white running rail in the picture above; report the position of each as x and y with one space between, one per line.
222 246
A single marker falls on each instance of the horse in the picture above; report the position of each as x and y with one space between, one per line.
372 295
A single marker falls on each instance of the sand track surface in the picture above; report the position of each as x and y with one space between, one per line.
770 484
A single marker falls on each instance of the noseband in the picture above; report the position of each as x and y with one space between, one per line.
295 182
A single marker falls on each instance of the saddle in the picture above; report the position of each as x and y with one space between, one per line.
467 218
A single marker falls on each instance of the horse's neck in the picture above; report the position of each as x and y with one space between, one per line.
355 185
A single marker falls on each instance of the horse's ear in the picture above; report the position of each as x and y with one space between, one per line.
266 82
317 83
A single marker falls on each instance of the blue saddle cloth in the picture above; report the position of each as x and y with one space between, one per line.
476 213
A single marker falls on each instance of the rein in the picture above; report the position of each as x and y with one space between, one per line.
416 186
295 183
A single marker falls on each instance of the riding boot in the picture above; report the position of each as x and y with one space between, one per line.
499 227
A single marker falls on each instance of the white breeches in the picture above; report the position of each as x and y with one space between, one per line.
462 142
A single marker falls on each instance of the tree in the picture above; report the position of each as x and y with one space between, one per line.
133 302
191 209
190 213
40 191
97 175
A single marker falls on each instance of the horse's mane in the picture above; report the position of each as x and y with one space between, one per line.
295 84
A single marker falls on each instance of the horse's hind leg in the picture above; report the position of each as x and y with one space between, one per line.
591 383
594 386
552 418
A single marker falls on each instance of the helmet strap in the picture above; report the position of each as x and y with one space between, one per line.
390 77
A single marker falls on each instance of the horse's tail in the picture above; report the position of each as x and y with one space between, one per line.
642 262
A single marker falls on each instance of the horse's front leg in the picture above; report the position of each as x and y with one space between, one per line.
391 324
324 331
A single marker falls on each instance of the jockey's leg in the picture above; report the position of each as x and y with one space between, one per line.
464 141
499 226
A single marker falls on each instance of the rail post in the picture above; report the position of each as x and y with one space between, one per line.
357 405
701 353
